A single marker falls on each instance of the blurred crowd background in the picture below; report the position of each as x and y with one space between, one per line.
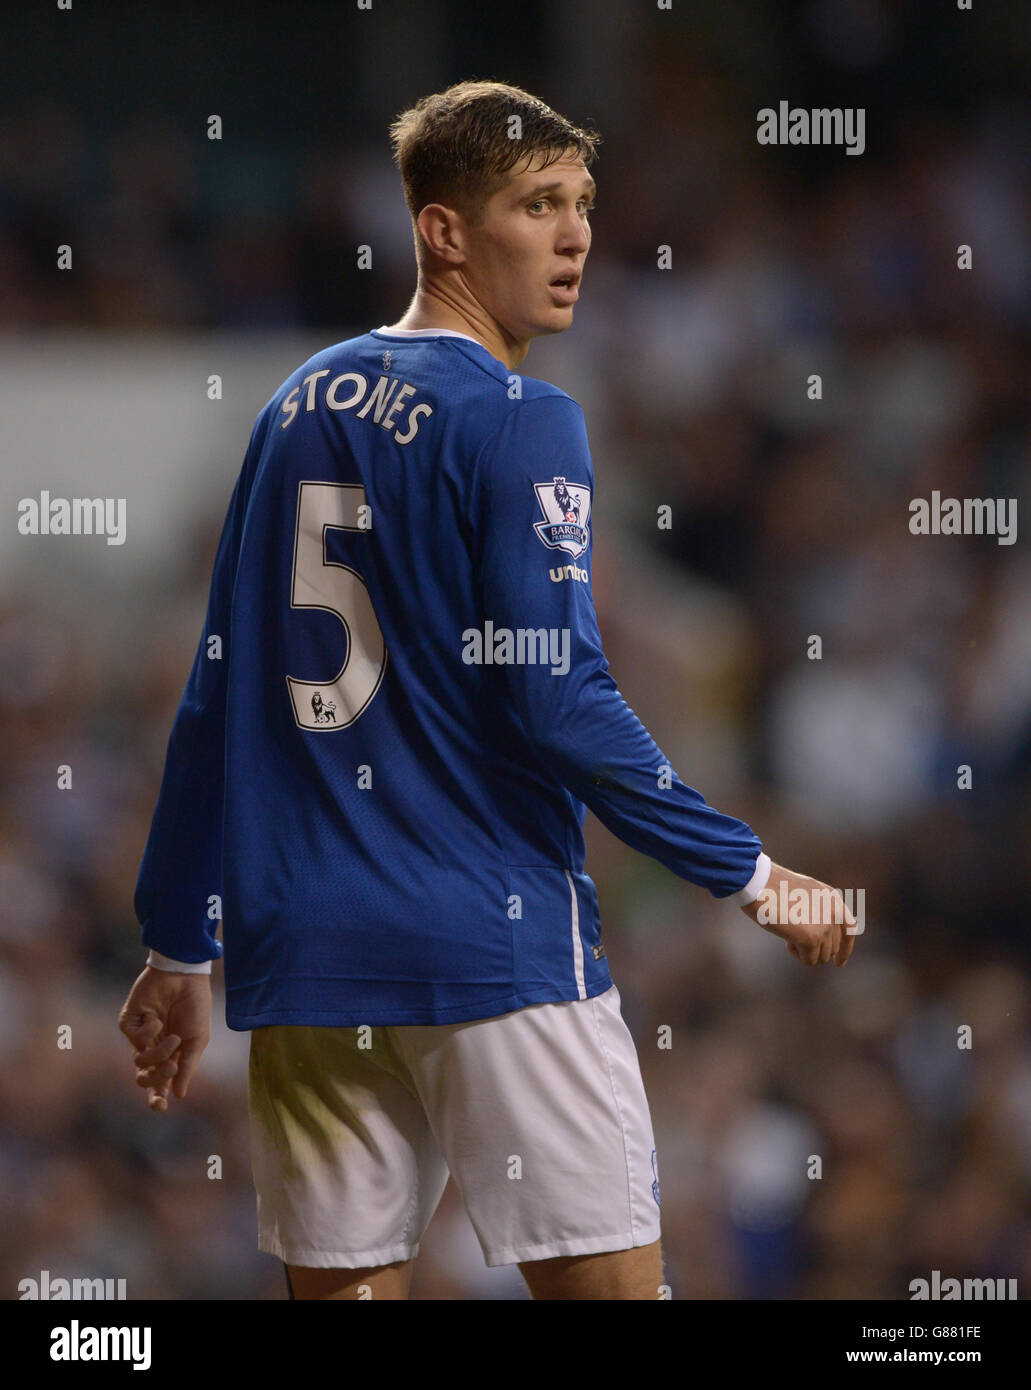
788 520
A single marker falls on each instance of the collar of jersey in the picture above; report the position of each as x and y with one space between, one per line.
426 333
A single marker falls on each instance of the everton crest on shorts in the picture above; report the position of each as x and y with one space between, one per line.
567 509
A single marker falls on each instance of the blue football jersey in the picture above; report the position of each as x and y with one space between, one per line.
399 708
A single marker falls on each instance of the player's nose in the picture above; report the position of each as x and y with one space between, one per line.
574 235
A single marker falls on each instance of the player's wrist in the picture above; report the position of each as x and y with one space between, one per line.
179 967
747 895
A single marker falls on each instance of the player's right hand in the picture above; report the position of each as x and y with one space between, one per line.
167 1019
814 924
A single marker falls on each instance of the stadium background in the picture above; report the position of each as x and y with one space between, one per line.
789 518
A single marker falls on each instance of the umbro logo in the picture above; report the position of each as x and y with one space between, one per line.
568 572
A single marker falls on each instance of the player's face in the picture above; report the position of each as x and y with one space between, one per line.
534 235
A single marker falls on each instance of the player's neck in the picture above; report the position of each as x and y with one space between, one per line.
431 309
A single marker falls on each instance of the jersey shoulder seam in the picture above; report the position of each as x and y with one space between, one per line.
559 396
553 392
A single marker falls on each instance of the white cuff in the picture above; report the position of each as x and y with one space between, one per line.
755 884
160 962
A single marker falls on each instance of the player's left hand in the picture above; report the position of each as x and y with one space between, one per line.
167 1019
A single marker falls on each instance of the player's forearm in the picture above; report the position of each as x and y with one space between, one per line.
674 824
178 890
588 736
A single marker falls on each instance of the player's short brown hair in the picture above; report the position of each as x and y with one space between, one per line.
455 147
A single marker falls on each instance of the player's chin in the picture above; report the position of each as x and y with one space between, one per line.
557 319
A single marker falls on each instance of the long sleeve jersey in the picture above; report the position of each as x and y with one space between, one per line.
399 709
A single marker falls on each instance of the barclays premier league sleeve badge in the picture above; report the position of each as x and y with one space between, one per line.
567 510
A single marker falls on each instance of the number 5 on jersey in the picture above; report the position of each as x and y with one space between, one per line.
337 701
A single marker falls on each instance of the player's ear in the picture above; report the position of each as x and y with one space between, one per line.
443 231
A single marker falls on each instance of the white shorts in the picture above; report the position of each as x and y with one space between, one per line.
540 1115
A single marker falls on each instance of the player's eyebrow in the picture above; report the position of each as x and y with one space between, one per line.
590 189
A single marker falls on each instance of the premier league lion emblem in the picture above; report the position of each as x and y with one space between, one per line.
323 710
567 509
570 505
